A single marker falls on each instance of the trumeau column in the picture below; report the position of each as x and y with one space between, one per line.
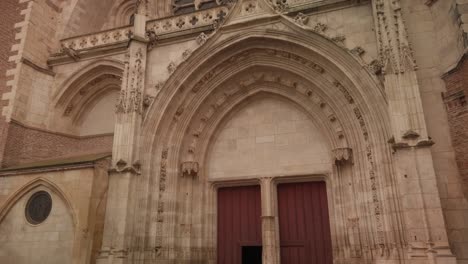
425 232
270 235
125 157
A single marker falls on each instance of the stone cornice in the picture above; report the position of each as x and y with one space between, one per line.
89 161
33 65
19 123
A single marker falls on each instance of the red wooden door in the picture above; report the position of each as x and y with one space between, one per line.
304 223
239 222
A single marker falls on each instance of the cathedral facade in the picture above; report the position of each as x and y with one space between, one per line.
229 132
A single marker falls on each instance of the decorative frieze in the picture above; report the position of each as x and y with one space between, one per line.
198 19
72 46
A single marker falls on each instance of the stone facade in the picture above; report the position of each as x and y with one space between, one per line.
133 113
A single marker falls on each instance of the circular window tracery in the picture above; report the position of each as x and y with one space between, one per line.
38 207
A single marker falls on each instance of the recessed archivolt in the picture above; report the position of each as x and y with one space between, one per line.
88 102
86 87
121 12
342 97
263 81
308 70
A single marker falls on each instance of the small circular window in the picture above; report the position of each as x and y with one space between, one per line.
38 207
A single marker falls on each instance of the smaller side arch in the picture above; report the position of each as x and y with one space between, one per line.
91 69
83 90
21 192
120 14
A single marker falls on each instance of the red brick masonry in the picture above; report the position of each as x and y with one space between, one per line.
27 145
10 13
457 110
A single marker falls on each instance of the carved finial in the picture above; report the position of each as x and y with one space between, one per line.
339 39
202 38
186 54
301 19
171 67
375 67
358 51
320 28
147 101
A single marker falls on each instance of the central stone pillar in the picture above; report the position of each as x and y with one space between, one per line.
270 235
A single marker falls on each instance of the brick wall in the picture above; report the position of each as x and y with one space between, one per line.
10 13
27 145
457 109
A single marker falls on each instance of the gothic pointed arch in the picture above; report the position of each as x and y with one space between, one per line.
121 13
89 93
34 184
321 78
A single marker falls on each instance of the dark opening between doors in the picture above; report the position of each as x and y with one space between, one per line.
252 255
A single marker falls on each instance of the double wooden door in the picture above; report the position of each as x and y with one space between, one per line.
304 227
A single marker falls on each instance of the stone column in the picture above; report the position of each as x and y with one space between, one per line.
270 235
126 165
424 225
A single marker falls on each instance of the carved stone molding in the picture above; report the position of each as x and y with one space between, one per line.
131 97
410 134
190 169
171 67
122 166
395 51
343 155
73 46
358 51
320 28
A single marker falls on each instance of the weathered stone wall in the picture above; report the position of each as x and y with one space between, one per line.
434 33
48 242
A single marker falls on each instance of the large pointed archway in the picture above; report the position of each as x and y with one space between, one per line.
338 95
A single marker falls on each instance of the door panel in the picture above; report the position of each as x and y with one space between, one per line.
304 223
239 222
